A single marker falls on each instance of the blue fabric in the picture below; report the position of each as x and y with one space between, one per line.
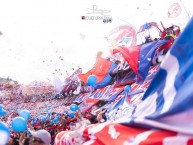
182 50
168 102
107 79
147 52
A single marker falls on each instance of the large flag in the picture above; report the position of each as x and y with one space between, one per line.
99 70
112 93
99 93
139 57
168 102
87 104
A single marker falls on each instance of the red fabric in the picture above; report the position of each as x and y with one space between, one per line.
103 137
163 35
190 142
130 82
37 125
67 127
87 104
61 128
125 31
166 46
157 137
68 120
131 55
73 120
117 134
51 127
99 70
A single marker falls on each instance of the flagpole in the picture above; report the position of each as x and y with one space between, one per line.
185 9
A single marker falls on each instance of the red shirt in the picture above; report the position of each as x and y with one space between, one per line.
51 127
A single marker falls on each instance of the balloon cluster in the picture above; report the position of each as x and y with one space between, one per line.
73 108
19 123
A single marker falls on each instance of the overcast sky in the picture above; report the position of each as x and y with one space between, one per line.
41 36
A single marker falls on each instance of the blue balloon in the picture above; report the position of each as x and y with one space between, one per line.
73 107
56 120
66 111
4 129
51 122
127 88
44 119
58 116
71 115
25 114
92 79
2 112
19 124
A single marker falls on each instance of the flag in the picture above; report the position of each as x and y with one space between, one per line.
87 104
168 102
77 72
147 26
99 93
107 79
123 33
139 57
112 93
174 10
99 70
125 77
117 134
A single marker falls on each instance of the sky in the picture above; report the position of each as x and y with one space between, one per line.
45 39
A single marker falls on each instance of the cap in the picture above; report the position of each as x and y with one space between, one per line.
43 135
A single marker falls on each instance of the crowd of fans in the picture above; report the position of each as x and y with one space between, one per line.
47 115
55 123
